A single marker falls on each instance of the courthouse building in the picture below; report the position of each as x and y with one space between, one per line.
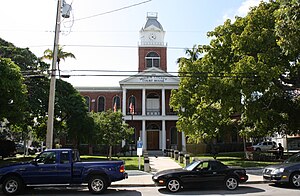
144 98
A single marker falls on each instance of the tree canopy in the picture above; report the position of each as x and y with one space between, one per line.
242 72
110 128
25 92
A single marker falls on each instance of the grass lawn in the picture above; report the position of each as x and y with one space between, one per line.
235 159
131 163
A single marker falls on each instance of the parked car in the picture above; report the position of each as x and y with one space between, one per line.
60 167
263 146
288 172
198 174
20 149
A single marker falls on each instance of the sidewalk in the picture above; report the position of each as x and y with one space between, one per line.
140 178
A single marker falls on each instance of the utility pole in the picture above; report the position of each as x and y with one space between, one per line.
49 136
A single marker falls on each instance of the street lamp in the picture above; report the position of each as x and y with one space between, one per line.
49 135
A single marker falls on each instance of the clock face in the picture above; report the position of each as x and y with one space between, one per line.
152 36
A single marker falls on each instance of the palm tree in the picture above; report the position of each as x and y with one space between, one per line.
48 54
193 54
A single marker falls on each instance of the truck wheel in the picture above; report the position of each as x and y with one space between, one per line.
97 184
295 180
12 185
231 183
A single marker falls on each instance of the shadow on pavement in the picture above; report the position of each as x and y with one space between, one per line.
213 191
77 191
285 186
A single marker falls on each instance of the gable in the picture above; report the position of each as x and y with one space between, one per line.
151 76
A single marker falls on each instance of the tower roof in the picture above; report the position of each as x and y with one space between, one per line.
152 21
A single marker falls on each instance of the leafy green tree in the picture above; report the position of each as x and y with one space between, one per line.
71 117
12 92
61 55
110 128
242 72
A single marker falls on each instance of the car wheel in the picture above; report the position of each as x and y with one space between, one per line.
173 185
258 150
231 183
12 185
295 180
97 184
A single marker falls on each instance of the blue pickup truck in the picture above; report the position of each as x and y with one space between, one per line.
60 167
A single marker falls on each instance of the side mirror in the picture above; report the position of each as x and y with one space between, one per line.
34 162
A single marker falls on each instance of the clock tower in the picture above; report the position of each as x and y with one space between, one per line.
152 48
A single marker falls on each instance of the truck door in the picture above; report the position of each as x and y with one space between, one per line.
43 170
64 168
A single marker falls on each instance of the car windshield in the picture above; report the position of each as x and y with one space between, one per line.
191 166
293 159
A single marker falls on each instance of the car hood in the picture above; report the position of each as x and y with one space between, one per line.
282 165
168 171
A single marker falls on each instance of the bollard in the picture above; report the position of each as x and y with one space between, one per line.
165 152
176 154
145 154
172 153
146 164
181 155
187 159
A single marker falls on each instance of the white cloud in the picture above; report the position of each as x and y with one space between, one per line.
242 10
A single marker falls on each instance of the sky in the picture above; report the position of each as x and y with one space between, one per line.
104 34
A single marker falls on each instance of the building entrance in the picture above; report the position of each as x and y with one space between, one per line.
153 140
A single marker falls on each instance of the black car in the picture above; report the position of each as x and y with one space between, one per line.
200 172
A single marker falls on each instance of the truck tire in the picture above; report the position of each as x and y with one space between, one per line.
12 185
97 184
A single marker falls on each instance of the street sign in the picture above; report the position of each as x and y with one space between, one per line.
139 148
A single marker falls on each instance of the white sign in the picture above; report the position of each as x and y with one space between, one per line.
139 150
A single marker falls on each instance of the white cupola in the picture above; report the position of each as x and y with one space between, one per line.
152 34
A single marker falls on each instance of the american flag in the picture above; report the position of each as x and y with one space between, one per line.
131 108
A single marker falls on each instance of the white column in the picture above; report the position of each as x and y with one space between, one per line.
164 140
144 102
163 102
124 102
144 136
183 142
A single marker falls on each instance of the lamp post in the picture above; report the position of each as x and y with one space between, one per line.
49 135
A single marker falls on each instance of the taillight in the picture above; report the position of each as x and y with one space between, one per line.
122 168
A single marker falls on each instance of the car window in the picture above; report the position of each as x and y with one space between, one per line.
203 166
46 158
64 157
293 159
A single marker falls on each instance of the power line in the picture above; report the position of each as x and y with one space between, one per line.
108 12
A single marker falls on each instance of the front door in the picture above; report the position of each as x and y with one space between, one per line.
152 140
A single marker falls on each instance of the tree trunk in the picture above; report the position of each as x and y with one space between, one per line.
110 152
245 150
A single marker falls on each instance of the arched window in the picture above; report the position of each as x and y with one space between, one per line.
131 105
101 104
174 136
87 102
153 126
152 60
116 103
